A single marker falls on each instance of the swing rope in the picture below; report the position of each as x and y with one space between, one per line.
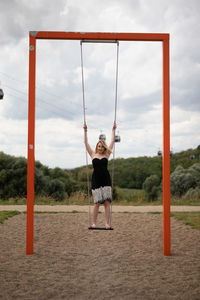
86 154
84 118
115 118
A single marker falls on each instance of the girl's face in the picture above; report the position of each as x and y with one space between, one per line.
100 148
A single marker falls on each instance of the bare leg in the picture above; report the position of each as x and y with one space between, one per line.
95 214
107 213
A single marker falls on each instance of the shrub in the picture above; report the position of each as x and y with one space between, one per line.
194 170
57 189
192 194
181 181
151 187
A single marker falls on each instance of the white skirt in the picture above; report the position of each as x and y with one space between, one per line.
102 194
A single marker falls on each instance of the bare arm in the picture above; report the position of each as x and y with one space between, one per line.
88 148
113 136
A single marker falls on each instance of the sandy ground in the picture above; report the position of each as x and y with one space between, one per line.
70 262
84 208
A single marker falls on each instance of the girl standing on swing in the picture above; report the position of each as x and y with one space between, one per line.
101 181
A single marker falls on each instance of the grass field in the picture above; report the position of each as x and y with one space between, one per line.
125 197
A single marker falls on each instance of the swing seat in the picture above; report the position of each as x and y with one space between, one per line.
100 228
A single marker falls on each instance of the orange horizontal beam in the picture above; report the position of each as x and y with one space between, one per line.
62 35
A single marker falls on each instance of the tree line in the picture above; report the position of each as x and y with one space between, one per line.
184 177
56 183
131 173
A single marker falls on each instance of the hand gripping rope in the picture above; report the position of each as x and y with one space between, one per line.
84 118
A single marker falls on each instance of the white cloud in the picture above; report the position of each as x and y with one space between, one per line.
184 129
13 137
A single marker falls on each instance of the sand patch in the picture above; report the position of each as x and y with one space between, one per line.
70 262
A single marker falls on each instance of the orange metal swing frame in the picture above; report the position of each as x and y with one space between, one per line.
100 37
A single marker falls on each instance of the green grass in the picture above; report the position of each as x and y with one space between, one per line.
126 197
38 201
189 218
137 198
4 215
181 201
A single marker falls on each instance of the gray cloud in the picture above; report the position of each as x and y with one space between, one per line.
59 91
19 17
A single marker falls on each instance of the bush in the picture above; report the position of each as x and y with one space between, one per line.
41 183
192 194
151 187
181 181
57 189
194 170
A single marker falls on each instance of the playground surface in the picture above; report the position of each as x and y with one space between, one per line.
71 262
84 208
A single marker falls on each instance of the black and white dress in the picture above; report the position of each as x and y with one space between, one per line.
101 181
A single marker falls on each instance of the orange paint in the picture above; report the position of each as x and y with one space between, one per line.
31 147
60 35
166 150
161 37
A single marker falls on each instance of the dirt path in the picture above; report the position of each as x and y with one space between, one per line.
84 208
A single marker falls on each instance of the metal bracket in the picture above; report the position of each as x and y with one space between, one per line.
34 33
99 41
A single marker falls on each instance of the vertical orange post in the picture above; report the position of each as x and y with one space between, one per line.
166 150
31 146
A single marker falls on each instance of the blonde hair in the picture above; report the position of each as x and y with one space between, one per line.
107 150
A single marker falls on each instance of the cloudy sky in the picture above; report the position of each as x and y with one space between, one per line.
59 112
